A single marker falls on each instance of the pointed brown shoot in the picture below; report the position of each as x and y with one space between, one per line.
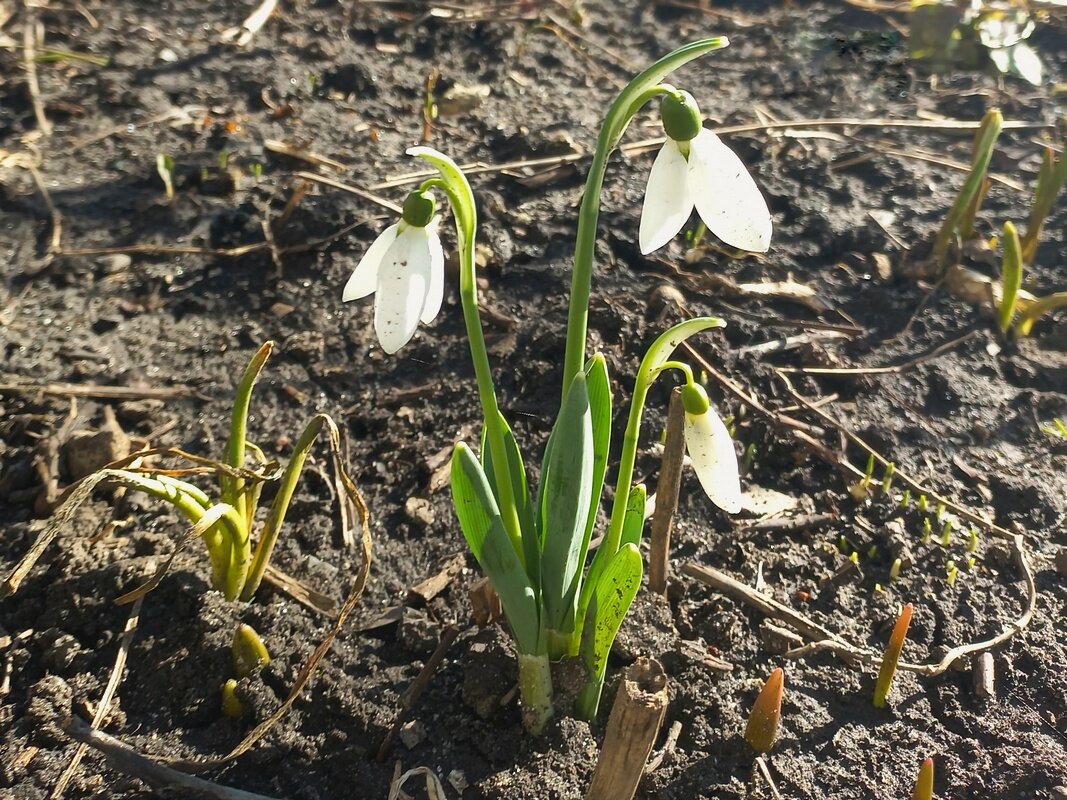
892 656
248 650
924 785
766 713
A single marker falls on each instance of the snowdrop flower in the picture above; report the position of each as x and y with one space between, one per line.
711 450
695 168
405 270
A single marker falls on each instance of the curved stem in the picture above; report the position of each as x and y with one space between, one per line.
233 491
638 92
678 365
455 185
1034 311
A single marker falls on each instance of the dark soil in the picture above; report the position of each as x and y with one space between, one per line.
347 81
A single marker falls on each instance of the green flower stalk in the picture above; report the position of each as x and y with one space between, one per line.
533 543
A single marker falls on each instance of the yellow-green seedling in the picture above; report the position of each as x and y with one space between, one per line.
960 218
231 704
905 498
225 522
1057 428
1050 180
248 651
533 544
891 657
1011 277
951 572
762 729
860 489
923 503
887 478
165 168
946 532
894 569
927 530
924 784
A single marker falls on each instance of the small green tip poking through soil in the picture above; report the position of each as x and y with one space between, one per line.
762 729
924 785
892 656
231 706
249 652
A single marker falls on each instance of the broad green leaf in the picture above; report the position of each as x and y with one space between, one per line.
519 490
612 596
517 596
472 497
634 522
479 519
662 349
599 387
566 488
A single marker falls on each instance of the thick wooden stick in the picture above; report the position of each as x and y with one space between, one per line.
670 479
632 729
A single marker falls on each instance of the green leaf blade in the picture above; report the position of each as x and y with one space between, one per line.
566 490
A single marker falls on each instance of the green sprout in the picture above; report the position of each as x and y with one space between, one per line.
165 168
894 569
225 523
952 571
248 652
927 530
960 218
1057 428
905 498
1011 277
923 503
1050 180
534 543
946 532
887 478
972 540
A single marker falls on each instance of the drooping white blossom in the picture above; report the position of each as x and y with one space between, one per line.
405 271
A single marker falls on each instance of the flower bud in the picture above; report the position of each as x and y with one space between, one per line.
681 116
419 208
695 399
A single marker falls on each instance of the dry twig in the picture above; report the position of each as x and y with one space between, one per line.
104 707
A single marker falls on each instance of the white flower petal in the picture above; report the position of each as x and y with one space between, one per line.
436 292
403 282
726 196
667 203
364 278
711 450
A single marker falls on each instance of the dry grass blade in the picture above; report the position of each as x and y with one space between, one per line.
244 34
29 60
126 759
96 391
302 593
60 519
105 700
434 789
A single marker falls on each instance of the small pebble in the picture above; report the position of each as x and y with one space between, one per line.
412 734
420 511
